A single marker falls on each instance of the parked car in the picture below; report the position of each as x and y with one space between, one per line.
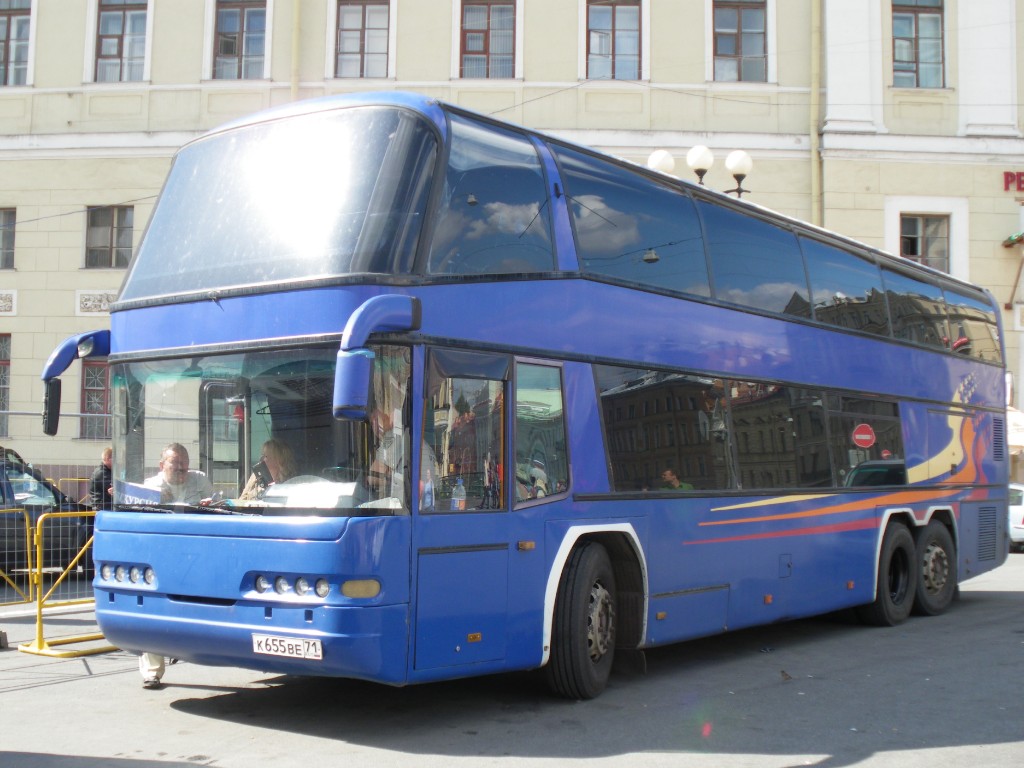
1016 510
25 495
877 472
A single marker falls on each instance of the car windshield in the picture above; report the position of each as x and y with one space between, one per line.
320 195
253 433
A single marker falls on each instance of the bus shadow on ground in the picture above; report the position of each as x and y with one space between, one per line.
826 690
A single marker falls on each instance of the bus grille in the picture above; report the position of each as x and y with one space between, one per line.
998 439
987 533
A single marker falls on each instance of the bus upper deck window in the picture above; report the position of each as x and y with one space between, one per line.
494 216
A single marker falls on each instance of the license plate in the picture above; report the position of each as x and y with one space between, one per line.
292 647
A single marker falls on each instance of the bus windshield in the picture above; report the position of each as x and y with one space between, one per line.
326 194
254 433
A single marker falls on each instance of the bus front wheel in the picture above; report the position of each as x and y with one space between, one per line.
897 579
583 632
937 570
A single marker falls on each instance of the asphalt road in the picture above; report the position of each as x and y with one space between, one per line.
943 691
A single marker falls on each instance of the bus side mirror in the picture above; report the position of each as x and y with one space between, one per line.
51 406
352 384
387 313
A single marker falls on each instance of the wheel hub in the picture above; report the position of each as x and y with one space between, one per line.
600 622
935 568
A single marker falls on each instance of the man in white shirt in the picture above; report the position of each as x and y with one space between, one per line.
178 484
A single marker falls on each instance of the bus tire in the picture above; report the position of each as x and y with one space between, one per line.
897 579
583 631
937 570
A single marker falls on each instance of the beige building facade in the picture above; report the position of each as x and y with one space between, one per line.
895 122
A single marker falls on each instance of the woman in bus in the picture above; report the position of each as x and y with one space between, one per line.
276 464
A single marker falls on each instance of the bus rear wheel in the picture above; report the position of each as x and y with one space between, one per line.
583 633
937 570
897 579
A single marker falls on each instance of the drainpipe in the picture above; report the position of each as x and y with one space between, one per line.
296 41
814 110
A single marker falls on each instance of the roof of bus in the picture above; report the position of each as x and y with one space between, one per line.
434 110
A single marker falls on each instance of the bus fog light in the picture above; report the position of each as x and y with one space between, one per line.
361 588
134 574
149 575
120 572
106 571
262 584
322 588
301 586
281 585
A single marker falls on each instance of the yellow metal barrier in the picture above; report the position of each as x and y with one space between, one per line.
64 485
40 645
14 594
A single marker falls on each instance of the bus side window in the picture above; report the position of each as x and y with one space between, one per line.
541 467
494 217
462 458
754 262
633 229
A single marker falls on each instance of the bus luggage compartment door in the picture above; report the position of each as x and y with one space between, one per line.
462 605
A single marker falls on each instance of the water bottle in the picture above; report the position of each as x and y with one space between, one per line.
458 496
428 494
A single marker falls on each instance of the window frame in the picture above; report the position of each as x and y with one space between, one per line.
924 241
958 211
240 57
8 230
458 38
739 6
94 34
916 9
770 42
116 225
90 417
334 38
21 13
614 55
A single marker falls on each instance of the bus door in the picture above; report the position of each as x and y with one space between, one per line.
223 438
462 537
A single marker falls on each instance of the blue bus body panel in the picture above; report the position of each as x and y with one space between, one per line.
210 609
520 313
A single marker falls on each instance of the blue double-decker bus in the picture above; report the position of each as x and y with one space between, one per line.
456 398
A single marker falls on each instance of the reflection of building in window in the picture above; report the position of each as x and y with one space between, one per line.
613 39
925 239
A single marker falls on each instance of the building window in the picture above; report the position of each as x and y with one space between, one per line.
917 44
95 400
925 239
740 41
362 43
121 41
14 25
240 40
109 239
7 219
613 40
488 39
5 381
